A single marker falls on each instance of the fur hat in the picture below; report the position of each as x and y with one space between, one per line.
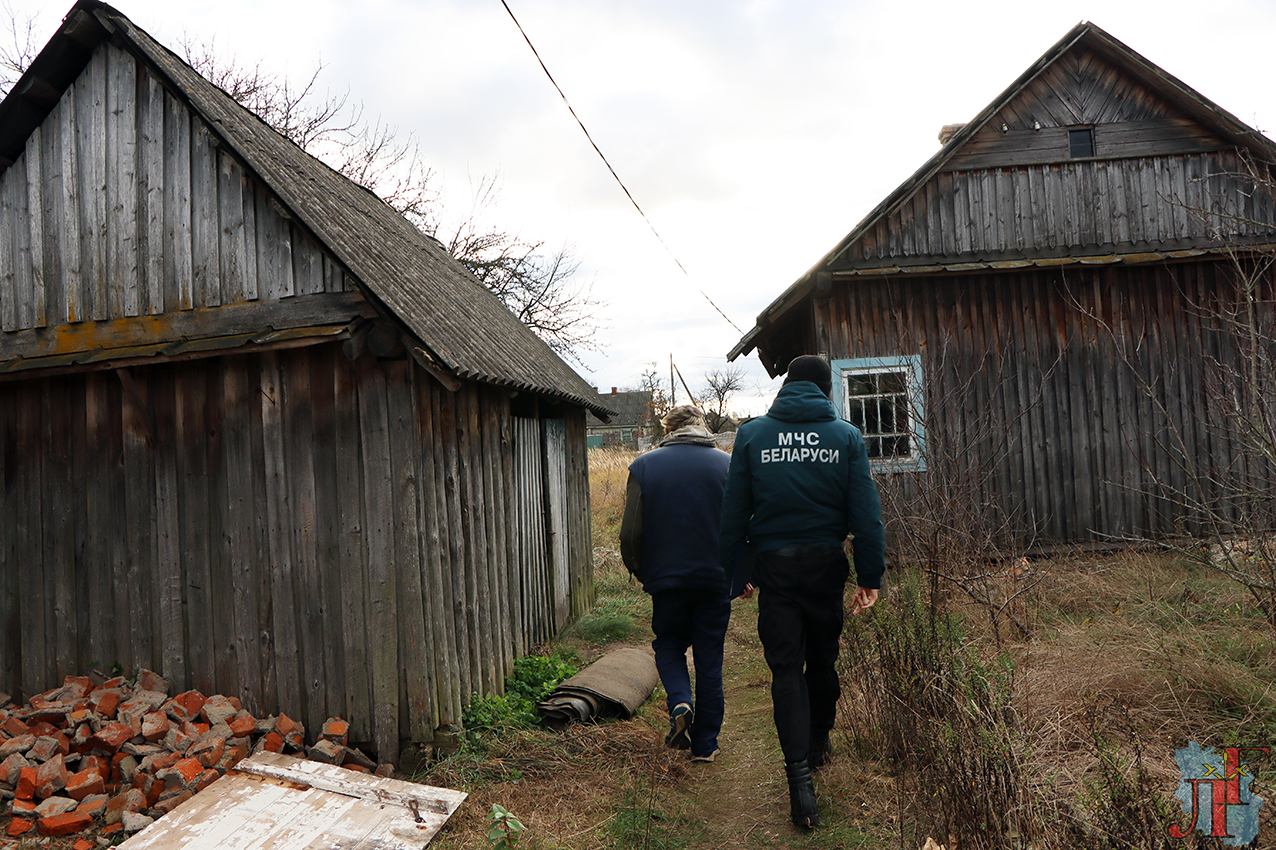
810 367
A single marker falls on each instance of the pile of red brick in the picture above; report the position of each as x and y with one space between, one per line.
117 754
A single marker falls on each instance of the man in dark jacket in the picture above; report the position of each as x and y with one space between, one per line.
669 539
799 484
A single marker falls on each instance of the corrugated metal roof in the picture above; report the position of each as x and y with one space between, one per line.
462 325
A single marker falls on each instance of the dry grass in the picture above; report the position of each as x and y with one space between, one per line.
1127 658
608 476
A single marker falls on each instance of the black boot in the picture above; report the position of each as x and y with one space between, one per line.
821 750
801 795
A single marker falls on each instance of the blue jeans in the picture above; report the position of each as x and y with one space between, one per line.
800 617
696 619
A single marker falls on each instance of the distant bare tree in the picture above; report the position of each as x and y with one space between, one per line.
17 48
720 387
661 399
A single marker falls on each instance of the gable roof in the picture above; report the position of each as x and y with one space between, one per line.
463 328
631 409
968 148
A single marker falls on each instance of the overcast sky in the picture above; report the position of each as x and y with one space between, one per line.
753 134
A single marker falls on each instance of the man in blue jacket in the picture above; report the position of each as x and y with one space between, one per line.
669 539
799 484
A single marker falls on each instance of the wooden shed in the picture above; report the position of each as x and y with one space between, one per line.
257 432
1040 292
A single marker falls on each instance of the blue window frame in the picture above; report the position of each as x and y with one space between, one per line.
882 396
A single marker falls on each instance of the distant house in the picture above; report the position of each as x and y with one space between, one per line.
630 424
257 432
1038 291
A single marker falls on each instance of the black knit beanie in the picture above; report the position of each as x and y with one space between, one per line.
811 368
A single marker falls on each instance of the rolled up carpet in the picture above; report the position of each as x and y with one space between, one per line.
615 684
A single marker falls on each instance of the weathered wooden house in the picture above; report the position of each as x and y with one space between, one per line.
257 432
1043 284
630 423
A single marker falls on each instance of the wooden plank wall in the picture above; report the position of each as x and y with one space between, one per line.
1081 89
1161 202
309 534
123 204
1079 386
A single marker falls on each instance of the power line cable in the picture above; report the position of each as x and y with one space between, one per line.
601 156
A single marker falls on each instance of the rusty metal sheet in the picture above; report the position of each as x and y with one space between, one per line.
273 802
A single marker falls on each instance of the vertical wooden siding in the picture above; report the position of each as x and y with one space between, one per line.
123 204
1152 200
312 535
1087 380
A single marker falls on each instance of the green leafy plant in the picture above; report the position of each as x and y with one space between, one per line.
505 828
532 680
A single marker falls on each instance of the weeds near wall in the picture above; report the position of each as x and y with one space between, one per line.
940 716
532 679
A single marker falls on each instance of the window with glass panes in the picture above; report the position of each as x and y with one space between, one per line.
876 402
882 396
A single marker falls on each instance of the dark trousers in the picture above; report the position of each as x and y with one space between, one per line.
800 617
696 619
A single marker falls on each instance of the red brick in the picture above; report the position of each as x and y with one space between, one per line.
183 773
131 800
94 805
218 709
77 687
64 824
26 784
43 728
149 680
337 730
111 828
168 804
161 762
326 752
83 844
51 777
20 744
84 783
235 753
112 737
101 763
155 726
357 768
106 702
286 726
117 682
185 706
19 826
242 725
208 777
209 752
273 743
44 748
12 727
23 808
11 769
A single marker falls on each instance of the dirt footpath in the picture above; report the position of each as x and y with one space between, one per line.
742 798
